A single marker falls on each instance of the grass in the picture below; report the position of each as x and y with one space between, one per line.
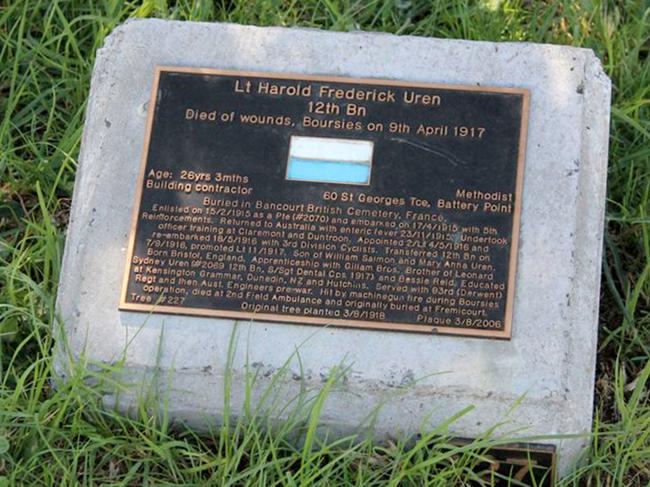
47 51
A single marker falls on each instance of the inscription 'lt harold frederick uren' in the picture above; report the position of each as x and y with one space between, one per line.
331 201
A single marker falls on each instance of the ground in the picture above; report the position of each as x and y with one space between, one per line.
64 437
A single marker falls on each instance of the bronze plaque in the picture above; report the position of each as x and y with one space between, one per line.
524 463
329 201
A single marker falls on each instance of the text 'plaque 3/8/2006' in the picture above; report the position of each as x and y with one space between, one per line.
329 201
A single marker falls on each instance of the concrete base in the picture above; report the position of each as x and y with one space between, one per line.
551 358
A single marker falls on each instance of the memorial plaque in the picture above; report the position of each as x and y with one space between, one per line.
329 201
222 219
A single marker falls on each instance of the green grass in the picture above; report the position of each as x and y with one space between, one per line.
64 437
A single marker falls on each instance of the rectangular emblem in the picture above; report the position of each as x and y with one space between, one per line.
325 160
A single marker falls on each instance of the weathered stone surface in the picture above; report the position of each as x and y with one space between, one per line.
549 361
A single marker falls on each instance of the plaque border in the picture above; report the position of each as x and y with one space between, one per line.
505 334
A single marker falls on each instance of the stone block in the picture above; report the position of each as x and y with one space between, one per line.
549 362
